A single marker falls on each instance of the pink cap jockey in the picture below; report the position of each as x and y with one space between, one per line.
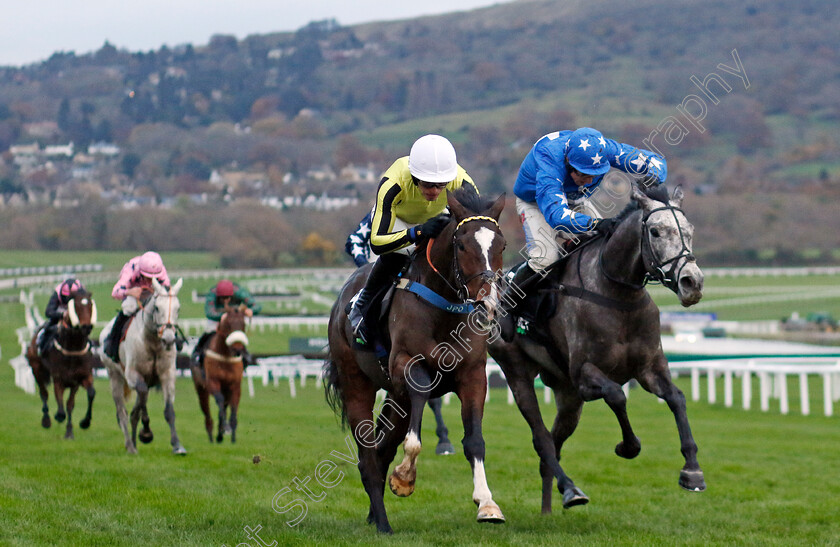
68 287
138 272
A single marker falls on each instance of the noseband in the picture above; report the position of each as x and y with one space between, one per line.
657 271
462 291
160 328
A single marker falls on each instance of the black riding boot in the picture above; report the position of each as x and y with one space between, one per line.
198 350
46 338
516 291
385 269
112 343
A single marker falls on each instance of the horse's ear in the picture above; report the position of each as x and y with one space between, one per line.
639 196
496 209
458 211
677 199
177 286
157 286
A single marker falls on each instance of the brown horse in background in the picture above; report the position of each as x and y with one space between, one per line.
221 374
434 348
68 361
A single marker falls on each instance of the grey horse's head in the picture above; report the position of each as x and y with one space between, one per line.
667 240
165 312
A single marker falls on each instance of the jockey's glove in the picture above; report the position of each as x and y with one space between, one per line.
605 225
429 229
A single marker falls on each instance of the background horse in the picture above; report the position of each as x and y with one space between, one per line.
68 361
221 374
432 352
604 332
147 359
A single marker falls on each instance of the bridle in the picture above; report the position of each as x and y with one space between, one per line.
159 328
655 268
461 283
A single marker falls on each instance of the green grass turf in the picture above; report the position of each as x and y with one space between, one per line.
770 479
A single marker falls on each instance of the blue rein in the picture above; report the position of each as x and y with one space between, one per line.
434 298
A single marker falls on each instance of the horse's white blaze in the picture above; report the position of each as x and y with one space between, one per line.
237 336
485 236
71 311
481 492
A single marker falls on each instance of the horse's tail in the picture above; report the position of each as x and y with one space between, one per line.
333 390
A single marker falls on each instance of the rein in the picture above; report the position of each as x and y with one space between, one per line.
159 328
670 278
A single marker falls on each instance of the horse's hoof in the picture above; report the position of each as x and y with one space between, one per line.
146 436
131 449
179 450
574 496
69 436
400 487
84 424
444 449
490 513
692 480
628 451
219 438
59 417
46 422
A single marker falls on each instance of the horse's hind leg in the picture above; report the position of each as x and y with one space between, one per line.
91 393
444 446
569 408
71 404
594 384
658 381
236 393
522 387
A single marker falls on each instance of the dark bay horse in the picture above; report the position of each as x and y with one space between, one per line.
221 375
68 362
604 331
432 351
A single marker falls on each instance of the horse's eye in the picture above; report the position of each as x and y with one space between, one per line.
461 247
654 232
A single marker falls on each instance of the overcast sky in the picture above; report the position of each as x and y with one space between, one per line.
32 30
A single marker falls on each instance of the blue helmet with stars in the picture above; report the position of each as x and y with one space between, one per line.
586 151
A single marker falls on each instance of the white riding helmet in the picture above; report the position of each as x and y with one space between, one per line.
432 159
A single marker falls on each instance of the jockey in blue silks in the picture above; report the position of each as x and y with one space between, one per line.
556 182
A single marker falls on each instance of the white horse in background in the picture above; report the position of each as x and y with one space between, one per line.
147 359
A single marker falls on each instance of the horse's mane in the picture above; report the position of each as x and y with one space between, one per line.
659 193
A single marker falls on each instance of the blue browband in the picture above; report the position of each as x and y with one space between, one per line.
434 298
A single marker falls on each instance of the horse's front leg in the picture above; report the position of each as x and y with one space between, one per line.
167 380
58 389
223 426
658 381
91 394
139 410
71 404
418 383
594 384
46 422
235 395
472 389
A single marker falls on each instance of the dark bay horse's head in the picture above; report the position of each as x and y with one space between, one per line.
81 311
478 244
667 246
232 328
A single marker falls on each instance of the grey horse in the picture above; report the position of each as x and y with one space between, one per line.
603 331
